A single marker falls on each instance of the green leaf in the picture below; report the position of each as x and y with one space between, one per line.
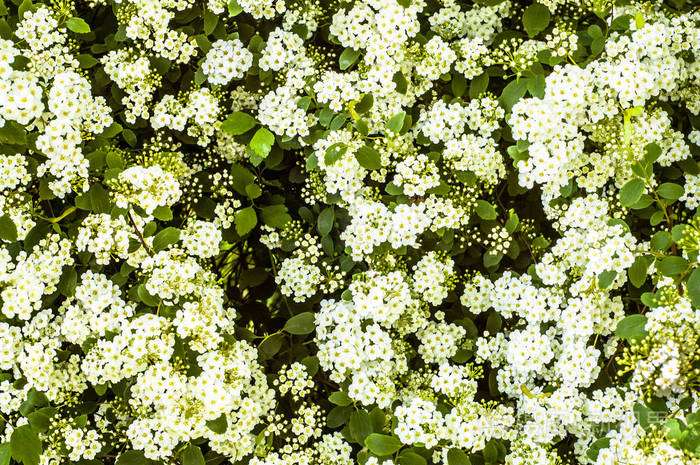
494 323
131 457
631 192
512 223
458 84
34 399
360 425
262 141
536 19
25 6
8 230
199 77
245 220
457 457
40 419
671 266
365 104
275 215
652 152
5 453
492 257
334 152
241 177
218 425
192 455
693 287
165 238
99 199
400 80
490 452
631 326
395 123
381 444
234 9
378 419
594 31
638 271
205 45
595 448
338 416
13 133
303 323
368 157
253 191
114 160
146 297
78 25
409 457
325 221
86 60
669 190
485 210
25 445
238 123
672 429
606 278
536 86
348 58
478 85
68 281
338 122
340 398
657 218
163 213
210 22
513 92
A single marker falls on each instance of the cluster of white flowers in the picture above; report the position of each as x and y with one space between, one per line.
263 9
201 239
21 99
147 187
133 74
416 174
226 60
337 89
580 104
443 122
71 109
476 154
27 277
295 380
96 308
431 277
198 112
148 24
103 236
279 111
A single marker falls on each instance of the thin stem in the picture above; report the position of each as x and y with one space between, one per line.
138 233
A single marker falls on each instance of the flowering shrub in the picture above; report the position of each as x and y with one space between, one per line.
376 232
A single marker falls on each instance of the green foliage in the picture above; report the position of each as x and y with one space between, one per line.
25 445
381 444
302 323
78 25
238 123
536 18
632 326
